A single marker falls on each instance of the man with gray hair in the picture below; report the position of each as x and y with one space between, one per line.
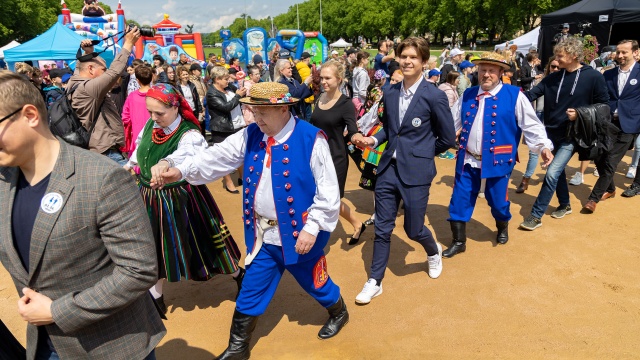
574 86
91 100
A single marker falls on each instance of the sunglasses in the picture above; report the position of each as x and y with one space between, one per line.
554 67
10 115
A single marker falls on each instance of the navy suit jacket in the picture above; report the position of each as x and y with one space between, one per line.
627 103
416 142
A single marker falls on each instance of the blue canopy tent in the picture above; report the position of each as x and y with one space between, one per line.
57 43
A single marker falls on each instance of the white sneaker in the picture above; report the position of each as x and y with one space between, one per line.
369 291
577 179
596 173
435 263
631 174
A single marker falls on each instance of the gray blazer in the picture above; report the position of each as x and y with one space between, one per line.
95 258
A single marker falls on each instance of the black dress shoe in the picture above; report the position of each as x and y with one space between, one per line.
503 232
354 240
236 191
338 318
459 244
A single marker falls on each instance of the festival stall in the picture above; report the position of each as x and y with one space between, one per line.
57 43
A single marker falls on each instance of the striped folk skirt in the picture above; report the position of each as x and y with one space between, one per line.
369 163
192 240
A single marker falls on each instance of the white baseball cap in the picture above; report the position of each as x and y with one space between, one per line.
455 52
334 52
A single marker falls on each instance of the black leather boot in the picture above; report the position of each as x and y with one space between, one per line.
242 327
338 318
503 232
238 280
459 243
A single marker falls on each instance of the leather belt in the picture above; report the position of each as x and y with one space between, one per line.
475 156
267 221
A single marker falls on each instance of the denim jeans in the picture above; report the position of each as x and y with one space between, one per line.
116 156
555 180
531 164
636 153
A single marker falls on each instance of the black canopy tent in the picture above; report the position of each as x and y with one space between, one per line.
608 20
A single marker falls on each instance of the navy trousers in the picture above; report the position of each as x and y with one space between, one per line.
465 193
389 191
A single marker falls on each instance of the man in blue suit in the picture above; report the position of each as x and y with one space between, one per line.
417 125
623 84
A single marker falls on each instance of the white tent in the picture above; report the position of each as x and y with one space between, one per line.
10 45
340 44
524 42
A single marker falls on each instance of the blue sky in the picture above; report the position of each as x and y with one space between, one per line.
206 15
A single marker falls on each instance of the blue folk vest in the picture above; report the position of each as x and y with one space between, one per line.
500 131
293 187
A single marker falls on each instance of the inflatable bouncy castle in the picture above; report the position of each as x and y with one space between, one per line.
170 44
93 23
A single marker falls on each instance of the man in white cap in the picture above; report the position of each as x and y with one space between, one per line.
455 57
563 35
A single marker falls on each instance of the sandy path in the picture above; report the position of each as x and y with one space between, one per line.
570 289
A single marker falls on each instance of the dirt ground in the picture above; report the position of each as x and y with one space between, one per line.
570 289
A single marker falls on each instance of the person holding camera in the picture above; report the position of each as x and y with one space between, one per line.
385 55
91 102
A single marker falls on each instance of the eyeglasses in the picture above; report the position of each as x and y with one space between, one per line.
554 67
10 115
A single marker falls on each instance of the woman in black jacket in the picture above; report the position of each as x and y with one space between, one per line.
220 106
190 93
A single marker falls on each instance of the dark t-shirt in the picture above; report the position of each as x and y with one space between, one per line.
26 205
378 64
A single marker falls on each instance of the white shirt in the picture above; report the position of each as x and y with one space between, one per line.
534 133
188 95
236 113
221 159
623 77
405 99
191 140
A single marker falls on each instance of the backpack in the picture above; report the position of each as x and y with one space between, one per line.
65 124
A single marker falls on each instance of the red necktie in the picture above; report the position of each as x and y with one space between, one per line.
486 93
270 142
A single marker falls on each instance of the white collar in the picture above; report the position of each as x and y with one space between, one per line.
412 90
630 68
493 91
286 131
169 129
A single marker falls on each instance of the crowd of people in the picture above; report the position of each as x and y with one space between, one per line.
93 236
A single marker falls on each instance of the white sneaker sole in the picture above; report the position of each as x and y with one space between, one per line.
439 253
560 217
530 228
630 175
365 302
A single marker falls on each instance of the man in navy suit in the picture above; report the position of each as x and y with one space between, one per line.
623 84
417 125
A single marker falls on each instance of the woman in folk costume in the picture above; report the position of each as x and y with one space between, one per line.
193 242
370 124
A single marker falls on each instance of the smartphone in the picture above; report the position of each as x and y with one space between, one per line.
240 84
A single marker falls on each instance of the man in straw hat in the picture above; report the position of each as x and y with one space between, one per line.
291 204
490 119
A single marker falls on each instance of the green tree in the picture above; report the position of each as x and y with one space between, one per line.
23 20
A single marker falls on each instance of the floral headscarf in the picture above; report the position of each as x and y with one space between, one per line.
168 95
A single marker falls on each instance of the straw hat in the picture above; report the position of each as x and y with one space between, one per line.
492 58
269 94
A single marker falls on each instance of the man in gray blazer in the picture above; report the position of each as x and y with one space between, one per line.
75 237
